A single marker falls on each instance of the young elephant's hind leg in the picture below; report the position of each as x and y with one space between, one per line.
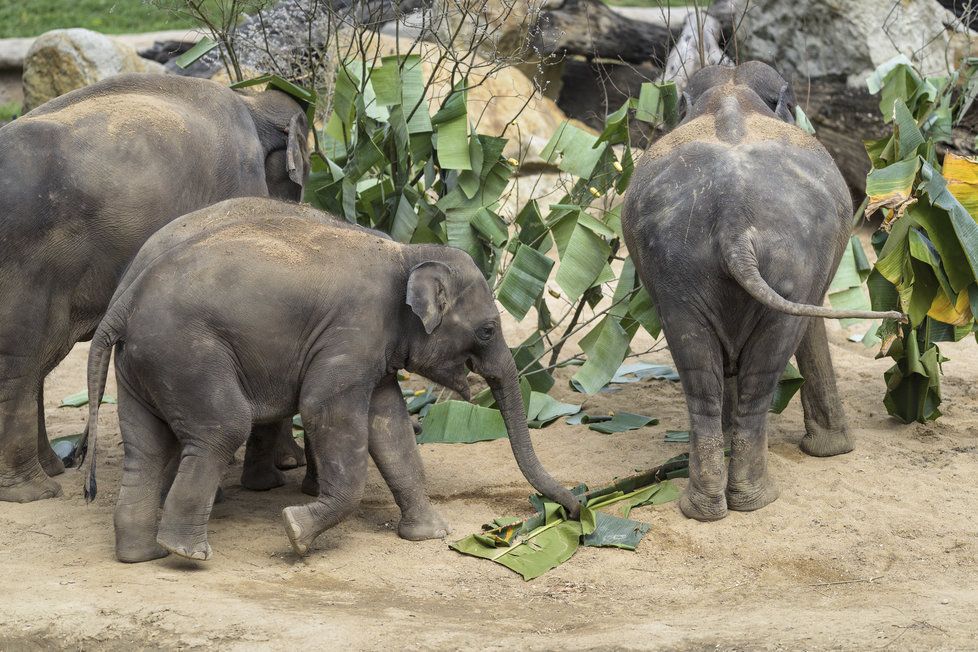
210 439
826 429
149 445
260 472
696 352
762 362
337 426
395 451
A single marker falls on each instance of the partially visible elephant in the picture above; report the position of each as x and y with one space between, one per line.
737 220
85 179
268 309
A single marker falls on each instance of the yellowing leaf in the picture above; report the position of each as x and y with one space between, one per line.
891 187
958 314
962 180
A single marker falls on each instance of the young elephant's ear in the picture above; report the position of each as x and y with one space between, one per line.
297 150
785 109
428 290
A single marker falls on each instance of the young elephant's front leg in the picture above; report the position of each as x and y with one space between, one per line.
337 428
395 451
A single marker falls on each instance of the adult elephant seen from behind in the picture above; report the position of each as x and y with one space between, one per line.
737 220
84 180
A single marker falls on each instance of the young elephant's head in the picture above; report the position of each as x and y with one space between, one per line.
755 82
283 132
457 330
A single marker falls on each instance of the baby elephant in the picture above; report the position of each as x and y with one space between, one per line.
271 308
737 220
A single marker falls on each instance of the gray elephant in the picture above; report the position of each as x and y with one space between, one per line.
737 220
268 309
84 180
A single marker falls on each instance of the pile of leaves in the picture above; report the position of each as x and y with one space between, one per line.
927 246
532 546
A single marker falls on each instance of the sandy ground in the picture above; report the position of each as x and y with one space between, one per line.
875 549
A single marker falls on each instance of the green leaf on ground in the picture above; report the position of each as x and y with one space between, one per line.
459 422
790 382
80 399
545 409
623 422
677 436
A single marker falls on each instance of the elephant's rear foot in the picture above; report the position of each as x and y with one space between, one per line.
49 460
822 442
28 487
288 453
184 545
701 506
748 496
427 523
261 478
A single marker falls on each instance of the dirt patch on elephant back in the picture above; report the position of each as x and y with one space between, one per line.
757 129
126 115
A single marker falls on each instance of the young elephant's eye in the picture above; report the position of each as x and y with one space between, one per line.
485 332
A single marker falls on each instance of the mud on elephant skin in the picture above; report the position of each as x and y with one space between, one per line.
737 221
84 180
290 311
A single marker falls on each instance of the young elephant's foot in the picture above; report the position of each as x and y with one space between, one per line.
702 507
819 442
288 453
748 496
132 553
184 542
262 478
50 461
301 526
427 523
27 490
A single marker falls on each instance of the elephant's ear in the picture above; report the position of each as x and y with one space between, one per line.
785 108
297 150
428 289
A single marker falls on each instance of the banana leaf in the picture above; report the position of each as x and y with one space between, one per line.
80 399
459 422
524 281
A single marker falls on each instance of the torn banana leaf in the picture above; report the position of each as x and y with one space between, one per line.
791 381
545 409
546 539
677 436
606 346
524 281
623 422
66 448
459 422
633 372
419 399
80 399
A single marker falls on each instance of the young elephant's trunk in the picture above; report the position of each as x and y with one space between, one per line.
506 391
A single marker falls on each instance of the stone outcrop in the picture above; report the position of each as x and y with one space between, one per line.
66 59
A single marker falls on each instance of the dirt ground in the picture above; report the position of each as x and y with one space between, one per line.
875 549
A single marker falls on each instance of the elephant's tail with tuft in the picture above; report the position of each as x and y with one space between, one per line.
109 332
740 259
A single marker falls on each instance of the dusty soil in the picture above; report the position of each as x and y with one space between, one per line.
873 549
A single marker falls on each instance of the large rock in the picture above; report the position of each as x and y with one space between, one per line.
848 37
65 59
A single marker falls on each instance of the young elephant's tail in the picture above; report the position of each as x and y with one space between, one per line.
109 332
741 262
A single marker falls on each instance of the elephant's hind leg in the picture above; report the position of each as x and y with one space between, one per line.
148 445
210 435
260 472
394 449
826 430
762 362
48 459
24 334
699 361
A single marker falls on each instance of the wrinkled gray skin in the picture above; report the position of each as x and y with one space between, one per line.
737 221
84 180
267 309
